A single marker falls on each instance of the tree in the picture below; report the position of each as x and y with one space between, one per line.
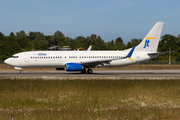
169 41
40 41
119 44
92 40
72 43
1 36
32 35
22 39
10 46
59 38
11 34
96 41
80 41
100 44
50 40
133 42
112 43
1 44
21 35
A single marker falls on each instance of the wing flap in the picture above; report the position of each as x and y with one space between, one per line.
96 62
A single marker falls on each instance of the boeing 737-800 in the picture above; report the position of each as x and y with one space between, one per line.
85 60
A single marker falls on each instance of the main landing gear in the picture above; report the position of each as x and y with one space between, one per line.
89 71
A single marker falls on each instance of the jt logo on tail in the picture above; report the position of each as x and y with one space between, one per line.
146 44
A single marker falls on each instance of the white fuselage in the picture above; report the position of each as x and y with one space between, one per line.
58 59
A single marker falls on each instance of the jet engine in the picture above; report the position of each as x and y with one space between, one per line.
73 67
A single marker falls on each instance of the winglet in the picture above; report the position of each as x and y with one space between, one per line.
89 49
131 52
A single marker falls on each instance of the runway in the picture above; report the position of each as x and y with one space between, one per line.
101 74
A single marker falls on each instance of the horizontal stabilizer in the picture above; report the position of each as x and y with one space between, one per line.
159 53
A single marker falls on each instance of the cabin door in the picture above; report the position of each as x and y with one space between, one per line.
26 59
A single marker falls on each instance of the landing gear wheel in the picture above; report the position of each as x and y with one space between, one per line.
83 71
89 71
21 71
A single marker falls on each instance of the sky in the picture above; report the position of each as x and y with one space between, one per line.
109 19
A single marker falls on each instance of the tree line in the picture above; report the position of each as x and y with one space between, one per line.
21 41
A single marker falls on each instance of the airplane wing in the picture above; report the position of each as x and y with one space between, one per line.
96 62
106 61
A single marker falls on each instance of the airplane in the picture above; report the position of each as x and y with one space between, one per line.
85 60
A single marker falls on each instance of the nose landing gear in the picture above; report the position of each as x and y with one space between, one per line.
18 68
21 71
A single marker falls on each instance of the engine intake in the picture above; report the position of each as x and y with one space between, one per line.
73 67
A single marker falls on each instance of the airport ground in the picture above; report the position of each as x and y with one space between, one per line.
30 97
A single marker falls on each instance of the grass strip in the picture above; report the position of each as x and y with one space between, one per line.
92 99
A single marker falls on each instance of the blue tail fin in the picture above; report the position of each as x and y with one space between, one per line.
131 52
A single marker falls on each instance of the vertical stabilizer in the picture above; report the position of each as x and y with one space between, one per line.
151 41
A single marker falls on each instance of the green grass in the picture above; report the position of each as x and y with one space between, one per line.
97 99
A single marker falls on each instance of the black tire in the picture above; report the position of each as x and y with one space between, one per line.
21 71
83 71
89 71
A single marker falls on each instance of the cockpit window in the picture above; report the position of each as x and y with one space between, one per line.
14 57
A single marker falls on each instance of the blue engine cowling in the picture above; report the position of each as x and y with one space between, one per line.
73 67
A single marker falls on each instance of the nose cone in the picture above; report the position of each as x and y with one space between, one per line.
7 61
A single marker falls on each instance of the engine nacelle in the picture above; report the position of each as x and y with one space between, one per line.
73 67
